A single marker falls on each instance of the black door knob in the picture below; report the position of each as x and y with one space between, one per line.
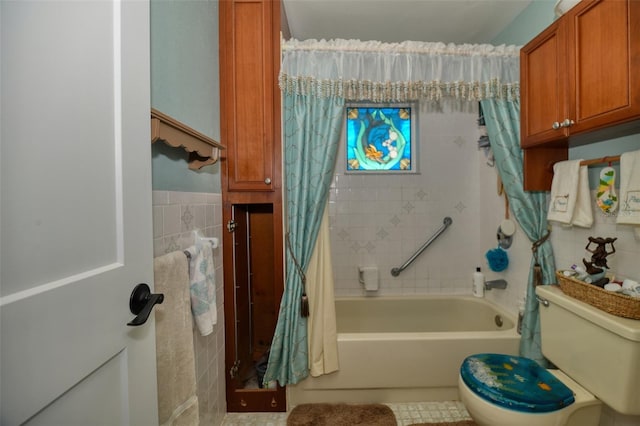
142 302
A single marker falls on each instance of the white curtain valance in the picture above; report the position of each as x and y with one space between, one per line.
398 72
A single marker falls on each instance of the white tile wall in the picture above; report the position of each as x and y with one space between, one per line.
569 244
175 216
381 220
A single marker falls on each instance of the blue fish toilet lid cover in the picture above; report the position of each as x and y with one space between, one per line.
515 382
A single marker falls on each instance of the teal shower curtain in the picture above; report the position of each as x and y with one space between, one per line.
502 119
312 128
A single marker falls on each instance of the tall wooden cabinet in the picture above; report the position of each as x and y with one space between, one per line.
250 98
580 82
252 196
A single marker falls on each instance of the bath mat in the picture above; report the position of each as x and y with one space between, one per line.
341 415
460 423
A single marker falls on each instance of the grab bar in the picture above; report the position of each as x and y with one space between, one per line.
396 271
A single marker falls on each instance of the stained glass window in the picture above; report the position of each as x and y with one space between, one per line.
381 138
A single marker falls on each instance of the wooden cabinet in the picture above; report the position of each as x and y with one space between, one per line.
580 82
251 176
250 98
544 79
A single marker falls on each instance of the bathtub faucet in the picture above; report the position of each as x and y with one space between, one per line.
501 284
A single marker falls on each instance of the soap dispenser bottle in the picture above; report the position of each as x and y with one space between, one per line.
478 283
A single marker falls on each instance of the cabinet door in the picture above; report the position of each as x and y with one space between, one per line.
543 76
605 36
249 106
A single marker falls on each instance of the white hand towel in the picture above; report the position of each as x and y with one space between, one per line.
629 213
583 210
175 357
570 197
203 287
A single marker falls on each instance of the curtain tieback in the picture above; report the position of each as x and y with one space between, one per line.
304 300
537 269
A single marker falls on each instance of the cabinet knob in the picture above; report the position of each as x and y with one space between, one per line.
267 181
555 125
567 123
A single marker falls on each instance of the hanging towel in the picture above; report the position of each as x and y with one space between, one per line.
570 202
203 287
629 206
175 360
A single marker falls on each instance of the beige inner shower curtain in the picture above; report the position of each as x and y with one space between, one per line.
321 324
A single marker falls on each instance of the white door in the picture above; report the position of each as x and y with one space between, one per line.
75 207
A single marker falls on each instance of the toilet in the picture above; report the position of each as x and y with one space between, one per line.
598 360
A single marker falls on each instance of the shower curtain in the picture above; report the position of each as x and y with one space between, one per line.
317 78
311 136
502 119
321 327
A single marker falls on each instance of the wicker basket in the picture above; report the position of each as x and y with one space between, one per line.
614 303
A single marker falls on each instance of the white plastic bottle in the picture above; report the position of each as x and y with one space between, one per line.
478 283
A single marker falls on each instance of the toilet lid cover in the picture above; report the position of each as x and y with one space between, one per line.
514 382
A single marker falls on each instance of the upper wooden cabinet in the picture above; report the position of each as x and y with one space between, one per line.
543 83
249 95
580 82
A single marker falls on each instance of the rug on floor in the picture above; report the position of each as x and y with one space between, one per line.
341 415
460 423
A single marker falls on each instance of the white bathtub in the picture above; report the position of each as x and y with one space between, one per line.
404 349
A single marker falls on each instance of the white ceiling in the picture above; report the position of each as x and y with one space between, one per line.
449 21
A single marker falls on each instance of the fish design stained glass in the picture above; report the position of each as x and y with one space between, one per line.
380 138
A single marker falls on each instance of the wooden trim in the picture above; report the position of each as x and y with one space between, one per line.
202 149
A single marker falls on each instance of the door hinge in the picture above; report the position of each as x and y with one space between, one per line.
231 225
234 369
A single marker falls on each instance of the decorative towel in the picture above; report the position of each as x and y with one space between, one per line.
570 198
606 197
175 360
629 213
203 287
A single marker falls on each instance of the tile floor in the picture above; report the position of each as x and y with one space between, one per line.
406 414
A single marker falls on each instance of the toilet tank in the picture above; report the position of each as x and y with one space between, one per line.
596 349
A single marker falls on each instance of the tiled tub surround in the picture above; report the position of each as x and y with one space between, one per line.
175 216
382 219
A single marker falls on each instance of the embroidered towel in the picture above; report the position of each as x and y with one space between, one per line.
175 358
570 202
202 286
629 189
